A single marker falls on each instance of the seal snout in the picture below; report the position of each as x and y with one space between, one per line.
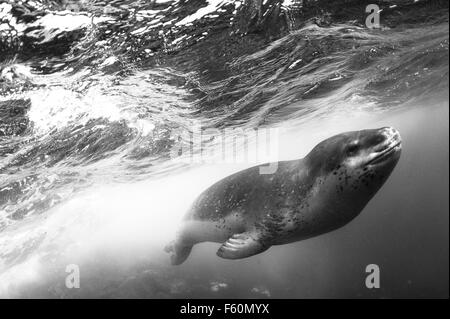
387 145
386 138
392 137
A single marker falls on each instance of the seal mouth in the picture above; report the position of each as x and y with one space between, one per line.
386 153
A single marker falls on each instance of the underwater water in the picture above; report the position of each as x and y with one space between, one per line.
95 97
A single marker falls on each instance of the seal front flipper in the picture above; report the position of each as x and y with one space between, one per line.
242 246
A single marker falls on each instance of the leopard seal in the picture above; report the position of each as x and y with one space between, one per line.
249 212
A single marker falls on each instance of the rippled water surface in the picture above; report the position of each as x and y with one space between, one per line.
94 97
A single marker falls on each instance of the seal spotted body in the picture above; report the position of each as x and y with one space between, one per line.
249 212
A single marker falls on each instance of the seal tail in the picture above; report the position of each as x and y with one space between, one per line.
180 252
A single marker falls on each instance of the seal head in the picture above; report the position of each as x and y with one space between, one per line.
356 163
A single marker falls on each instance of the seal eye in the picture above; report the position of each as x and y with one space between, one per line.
352 148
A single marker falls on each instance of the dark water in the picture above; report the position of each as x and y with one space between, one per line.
94 97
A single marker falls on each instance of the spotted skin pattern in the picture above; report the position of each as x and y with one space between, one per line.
249 212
